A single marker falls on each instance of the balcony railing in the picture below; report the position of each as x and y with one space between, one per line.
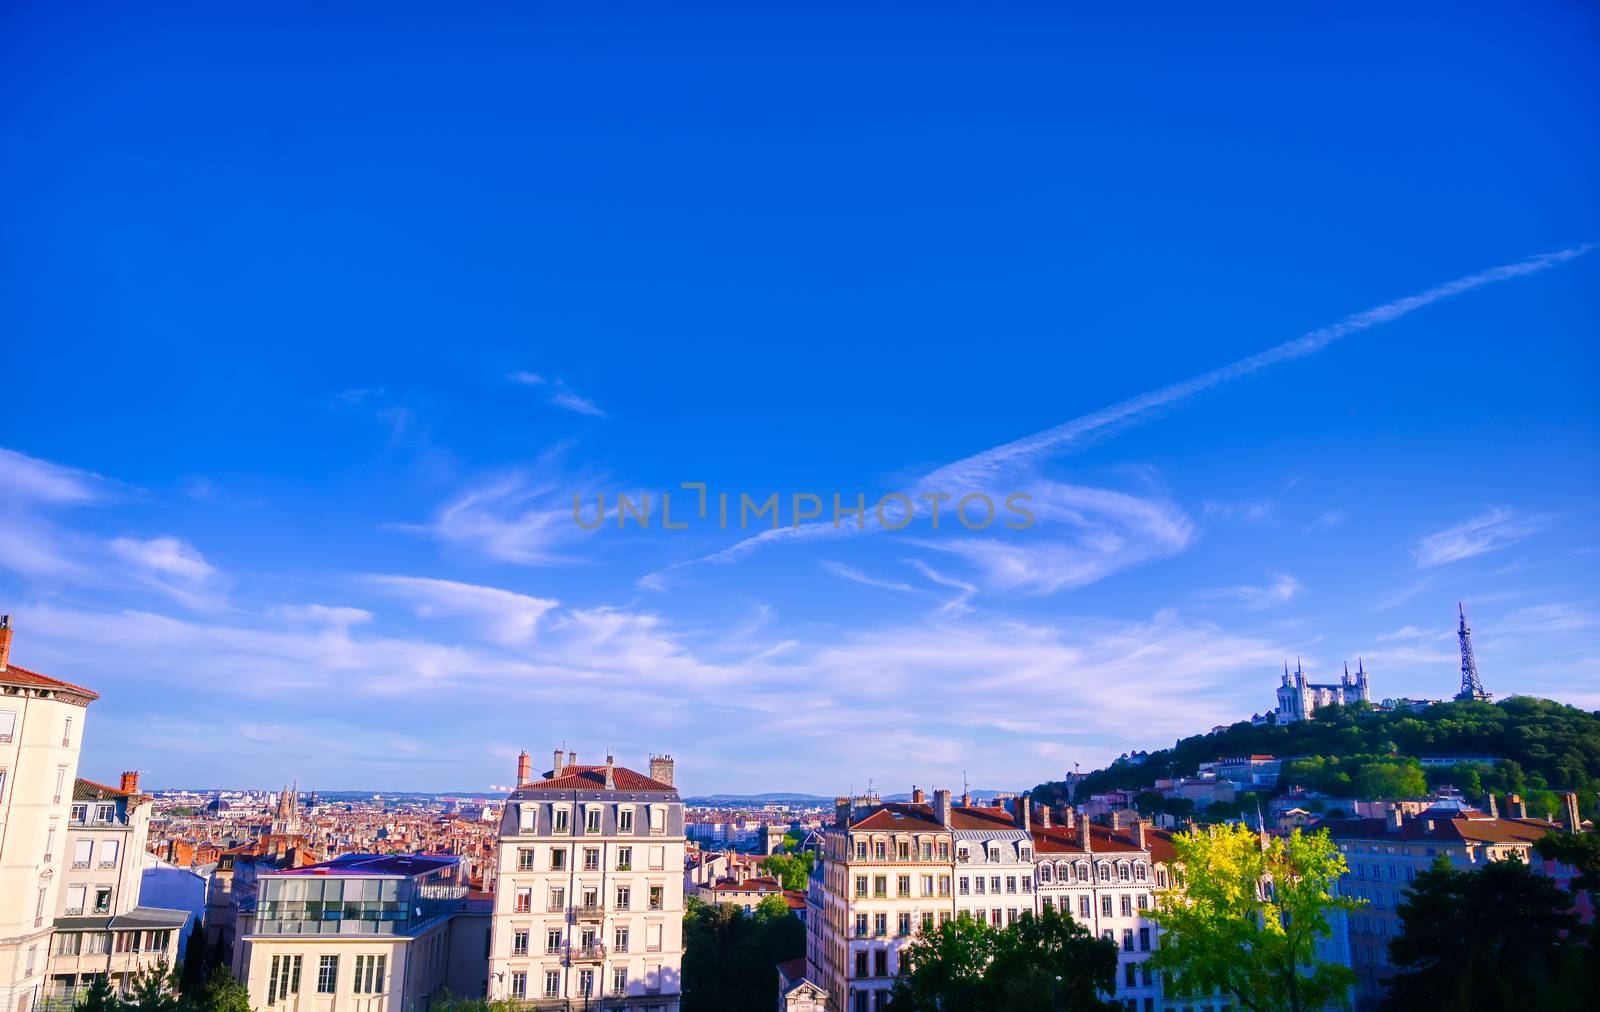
557 906
592 952
588 911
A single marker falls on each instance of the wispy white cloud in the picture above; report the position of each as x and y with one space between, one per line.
955 606
504 617
1496 528
522 516
1281 590
1011 465
172 566
855 575
558 393
1327 520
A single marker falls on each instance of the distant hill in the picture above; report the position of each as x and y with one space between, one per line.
1540 747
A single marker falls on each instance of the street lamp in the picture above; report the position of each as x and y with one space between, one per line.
1053 985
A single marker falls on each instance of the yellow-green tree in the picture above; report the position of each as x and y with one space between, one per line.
1244 916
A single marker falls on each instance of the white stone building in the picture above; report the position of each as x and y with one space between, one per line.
588 909
1299 698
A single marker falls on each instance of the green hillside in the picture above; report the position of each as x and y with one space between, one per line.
1540 747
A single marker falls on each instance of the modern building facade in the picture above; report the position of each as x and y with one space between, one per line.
588 910
362 933
41 728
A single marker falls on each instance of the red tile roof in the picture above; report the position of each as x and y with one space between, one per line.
1444 830
793 969
88 790
593 778
1060 840
982 818
11 674
899 815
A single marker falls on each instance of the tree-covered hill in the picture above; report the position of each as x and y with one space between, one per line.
1540 747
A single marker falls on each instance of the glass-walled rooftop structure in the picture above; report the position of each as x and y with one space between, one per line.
359 894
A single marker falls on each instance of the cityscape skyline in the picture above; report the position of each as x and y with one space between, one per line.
298 404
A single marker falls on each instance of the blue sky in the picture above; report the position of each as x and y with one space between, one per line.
314 325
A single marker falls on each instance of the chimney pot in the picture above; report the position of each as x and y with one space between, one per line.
916 795
130 781
524 768
559 764
661 769
1516 808
1138 834
572 759
5 641
611 773
941 807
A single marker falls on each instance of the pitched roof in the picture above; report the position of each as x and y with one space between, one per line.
88 790
11 674
1060 840
1441 830
976 817
593 778
899 815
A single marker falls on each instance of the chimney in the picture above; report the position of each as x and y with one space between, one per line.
1516 808
661 769
1395 817
1116 821
611 772
130 784
1569 803
841 812
572 760
5 640
1494 806
1085 835
916 795
524 768
941 807
558 765
966 799
1044 816
1138 835
1025 813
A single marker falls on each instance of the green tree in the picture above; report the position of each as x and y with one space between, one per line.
1580 851
964 966
793 870
221 993
153 988
1244 916
731 958
1402 779
1495 938
99 997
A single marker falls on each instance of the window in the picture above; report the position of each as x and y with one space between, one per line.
82 853
880 885
1123 873
526 815
552 983
861 886
66 734
1083 907
619 980
966 886
861 850
8 724
1105 906
105 813
591 859
369 974
80 813
977 885
591 898
880 850
1144 939
102 899
558 859
624 820
657 897
994 884
620 940
1127 906
880 963
552 940
1128 975
75 899
652 939
525 859
558 899
108 854
327 974
658 819
284 978
944 885
658 858
1127 942
519 943
927 920
524 900
861 962
927 885
61 779
903 886
585 983
861 925
1144 901
519 985
561 823
905 922
624 858
591 819
1044 873
1011 883
880 925
624 897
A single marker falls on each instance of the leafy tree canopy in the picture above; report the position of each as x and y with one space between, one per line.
1048 961
730 958
1244 916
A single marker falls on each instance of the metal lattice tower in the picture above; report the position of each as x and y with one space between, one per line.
1471 688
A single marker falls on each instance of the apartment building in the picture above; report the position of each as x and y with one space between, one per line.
362 933
1385 855
101 930
1106 878
41 727
589 904
994 862
885 871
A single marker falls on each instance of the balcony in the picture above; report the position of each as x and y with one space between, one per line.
588 912
593 952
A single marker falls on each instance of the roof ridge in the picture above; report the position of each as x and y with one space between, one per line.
9 668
